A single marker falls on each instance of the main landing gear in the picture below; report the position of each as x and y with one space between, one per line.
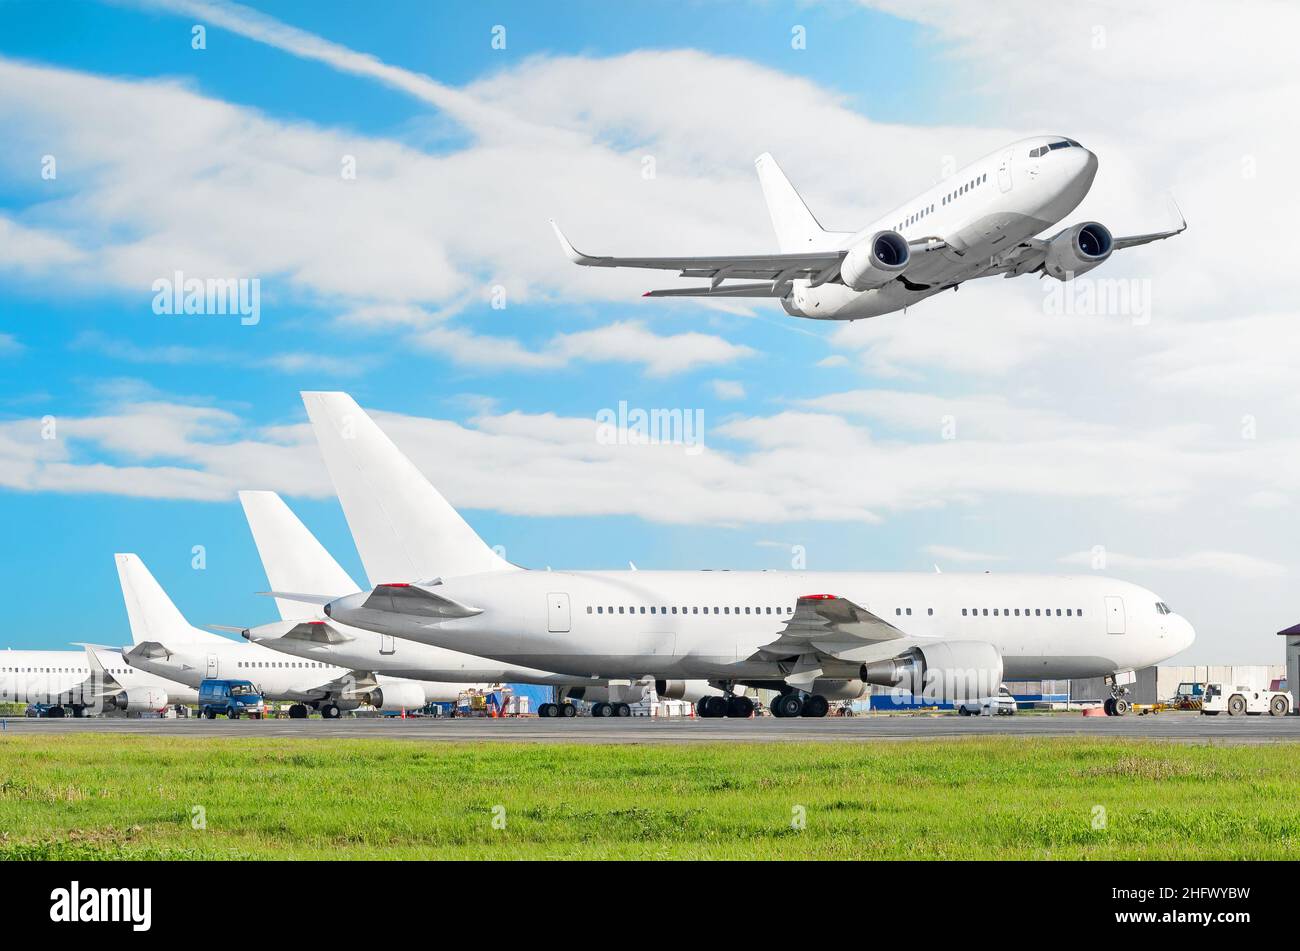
729 706
611 710
565 709
795 703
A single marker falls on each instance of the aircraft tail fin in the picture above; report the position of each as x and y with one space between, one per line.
152 615
403 528
291 556
796 228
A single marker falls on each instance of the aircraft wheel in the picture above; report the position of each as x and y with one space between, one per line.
1109 707
715 707
331 711
816 706
568 710
547 710
740 708
788 705
622 710
1119 707
58 712
602 710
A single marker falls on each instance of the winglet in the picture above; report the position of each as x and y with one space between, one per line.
1182 220
573 254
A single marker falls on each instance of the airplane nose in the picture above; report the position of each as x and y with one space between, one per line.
1185 633
1087 162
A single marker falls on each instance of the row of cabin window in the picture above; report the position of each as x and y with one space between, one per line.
965 188
289 663
601 609
1036 612
913 219
58 670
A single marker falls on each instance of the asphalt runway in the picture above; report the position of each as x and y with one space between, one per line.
1178 727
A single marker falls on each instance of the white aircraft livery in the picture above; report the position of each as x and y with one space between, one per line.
814 637
978 222
296 562
92 680
166 644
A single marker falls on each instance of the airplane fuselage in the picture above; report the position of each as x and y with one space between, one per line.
65 677
981 212
711 624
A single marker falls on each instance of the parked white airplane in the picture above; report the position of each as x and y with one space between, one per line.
978 222
813 636
92 680
166 644
296 562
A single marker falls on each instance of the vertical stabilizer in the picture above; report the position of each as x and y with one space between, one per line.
152 614
403 528
291 556
796 228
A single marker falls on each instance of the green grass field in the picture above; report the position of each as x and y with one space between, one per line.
87 796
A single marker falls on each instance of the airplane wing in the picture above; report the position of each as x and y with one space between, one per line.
831 625
776 271
825 626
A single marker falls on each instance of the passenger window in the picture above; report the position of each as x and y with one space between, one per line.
930 611
986 612
909 612
963 612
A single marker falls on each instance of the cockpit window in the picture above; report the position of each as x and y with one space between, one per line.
1063 144
1162 608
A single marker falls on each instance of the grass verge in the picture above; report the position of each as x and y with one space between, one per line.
89 797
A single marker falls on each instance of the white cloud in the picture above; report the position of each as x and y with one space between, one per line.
949 553
1217 563
728 389
620 342
10 345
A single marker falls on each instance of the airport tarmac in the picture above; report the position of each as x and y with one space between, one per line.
1183 727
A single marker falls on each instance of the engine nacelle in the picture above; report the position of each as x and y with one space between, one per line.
945 672
876 261
691 690
838 689
394 697
1077 250
141 699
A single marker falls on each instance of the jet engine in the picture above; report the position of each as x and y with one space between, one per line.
397 696
141 699
876 261
947 671
1077 250
691 690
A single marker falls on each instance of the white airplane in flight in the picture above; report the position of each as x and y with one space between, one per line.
92 680
978 222
814 637
296 562
167 645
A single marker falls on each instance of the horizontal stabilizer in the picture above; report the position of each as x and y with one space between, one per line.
320 599
307 632
417 600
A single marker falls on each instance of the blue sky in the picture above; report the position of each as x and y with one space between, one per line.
868 113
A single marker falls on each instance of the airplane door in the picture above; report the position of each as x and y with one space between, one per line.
557 613
1004 171
212 667
1114 615
387 644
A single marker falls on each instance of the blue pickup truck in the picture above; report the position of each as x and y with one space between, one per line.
234 698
